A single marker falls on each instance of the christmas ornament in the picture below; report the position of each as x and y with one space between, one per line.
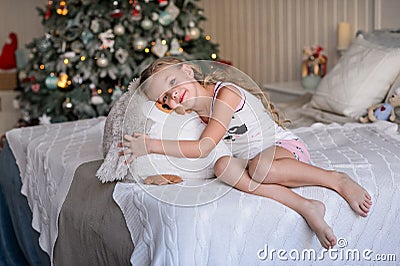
63 81
159 49
45 120
146 23
136 8
62 10
51 82
102 62
116 13
173 10
96 99
194 33
77 46
139 44
154 16
121 55
67 105
77 80
175 47
192 24
107 40
86 36
119 30
165 18
73 29
163 2
95 25
35 87
48 11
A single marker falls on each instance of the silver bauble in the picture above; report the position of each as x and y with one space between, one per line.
119 29
146 24
139 44
102 62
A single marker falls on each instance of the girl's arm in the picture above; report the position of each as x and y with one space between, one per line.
227 100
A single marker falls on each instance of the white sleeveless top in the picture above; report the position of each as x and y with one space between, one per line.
251 129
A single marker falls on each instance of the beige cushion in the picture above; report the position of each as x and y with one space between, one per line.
360 79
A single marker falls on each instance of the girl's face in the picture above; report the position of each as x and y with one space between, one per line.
173 86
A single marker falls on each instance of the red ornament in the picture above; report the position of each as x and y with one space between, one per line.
163 2
48 11
35 87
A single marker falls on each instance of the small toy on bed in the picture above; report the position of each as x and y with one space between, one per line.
162 179
383 111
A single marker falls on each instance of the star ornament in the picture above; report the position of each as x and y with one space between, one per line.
45 120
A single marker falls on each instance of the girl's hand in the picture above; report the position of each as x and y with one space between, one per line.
135 146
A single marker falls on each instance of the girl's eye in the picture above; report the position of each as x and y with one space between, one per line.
172 82
164 98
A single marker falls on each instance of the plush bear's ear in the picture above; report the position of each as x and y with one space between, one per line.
164 108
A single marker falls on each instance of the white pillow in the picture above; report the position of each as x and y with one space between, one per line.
174 126
132 113
360 79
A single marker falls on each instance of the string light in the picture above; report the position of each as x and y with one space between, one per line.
180 49
66 61
110 90
214 56
99 91
83 58
147 50
41 66
208 37
163 42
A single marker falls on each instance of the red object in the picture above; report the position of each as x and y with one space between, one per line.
7 57
163 2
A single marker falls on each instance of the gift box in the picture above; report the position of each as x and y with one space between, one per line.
8 80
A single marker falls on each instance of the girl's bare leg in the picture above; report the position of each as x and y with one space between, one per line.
287 171
233 172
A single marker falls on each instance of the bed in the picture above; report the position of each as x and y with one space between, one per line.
55 211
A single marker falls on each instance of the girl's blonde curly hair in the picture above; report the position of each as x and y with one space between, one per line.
224 75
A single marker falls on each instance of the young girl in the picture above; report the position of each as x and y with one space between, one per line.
263 152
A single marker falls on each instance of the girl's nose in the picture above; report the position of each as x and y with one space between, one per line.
174 94
172 100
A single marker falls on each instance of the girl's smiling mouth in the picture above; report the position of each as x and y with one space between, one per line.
182 96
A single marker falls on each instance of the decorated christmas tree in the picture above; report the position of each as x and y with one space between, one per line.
92 49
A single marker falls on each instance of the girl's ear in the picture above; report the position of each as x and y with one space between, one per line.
188 70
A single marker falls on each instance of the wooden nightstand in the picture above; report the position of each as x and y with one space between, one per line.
8 114
282 92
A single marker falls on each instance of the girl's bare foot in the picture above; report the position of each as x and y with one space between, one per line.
357 197
314 215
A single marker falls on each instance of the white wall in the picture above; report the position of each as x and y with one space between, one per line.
265 38
387 13
21 17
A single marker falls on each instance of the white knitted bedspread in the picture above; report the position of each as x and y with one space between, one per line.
243 229
47 157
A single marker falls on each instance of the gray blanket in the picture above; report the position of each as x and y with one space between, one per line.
92 229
